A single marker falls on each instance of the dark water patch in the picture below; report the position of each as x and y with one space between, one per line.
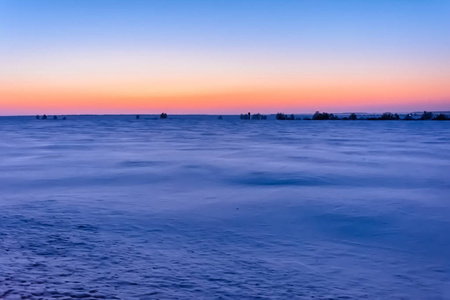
140 163
342 180
263 179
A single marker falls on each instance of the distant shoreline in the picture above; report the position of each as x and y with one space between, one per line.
317 116
416 113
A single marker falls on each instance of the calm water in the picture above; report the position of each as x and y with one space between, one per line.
200 208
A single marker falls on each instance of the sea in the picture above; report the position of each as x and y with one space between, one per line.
197 207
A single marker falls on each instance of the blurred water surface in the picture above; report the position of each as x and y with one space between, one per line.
198 208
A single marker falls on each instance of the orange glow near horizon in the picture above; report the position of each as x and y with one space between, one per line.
222 94
103 82
96 84
223 58
335 99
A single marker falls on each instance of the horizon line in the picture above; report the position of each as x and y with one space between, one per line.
217 114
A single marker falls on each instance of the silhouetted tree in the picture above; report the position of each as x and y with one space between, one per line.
244 117
321 116
427 115
353 116
44 117
389 116
441 117
408 117
64 118
259 116
386 116
163 116
333 117
55 118
282 116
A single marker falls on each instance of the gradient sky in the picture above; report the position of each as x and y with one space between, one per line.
223 56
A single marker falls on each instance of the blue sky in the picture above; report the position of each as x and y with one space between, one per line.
406 41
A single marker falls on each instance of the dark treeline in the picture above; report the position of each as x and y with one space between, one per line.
281 116
55 117
249 116
384 117
259 116
427 115
387 116
161 116
324 116
44 117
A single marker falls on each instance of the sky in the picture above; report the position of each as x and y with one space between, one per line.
223 56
